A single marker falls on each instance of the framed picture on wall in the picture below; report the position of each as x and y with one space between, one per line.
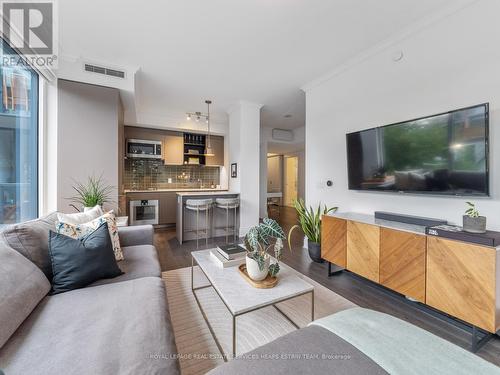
234 170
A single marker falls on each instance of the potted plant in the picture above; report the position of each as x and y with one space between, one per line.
257 243
473 222
92 193
310 222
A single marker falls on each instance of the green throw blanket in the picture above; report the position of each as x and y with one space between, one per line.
402 348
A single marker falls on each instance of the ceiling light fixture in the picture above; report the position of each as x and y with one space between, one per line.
198 116
208 144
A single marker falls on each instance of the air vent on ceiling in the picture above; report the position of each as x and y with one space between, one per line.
106 71
282 135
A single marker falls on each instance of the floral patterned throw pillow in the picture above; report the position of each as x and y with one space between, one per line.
83 230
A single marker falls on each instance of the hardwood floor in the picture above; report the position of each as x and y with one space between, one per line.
358 290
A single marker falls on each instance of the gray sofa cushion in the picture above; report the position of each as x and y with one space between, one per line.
31 239
136 235
121 328
22 286
140 261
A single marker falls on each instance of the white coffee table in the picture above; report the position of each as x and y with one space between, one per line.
240 297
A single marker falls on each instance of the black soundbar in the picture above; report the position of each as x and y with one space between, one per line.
490 238
409 219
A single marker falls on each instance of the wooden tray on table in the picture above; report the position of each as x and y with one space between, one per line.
268 282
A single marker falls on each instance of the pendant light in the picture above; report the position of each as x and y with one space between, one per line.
208 144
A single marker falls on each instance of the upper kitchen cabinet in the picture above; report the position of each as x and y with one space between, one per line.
173 149
135 132
218 147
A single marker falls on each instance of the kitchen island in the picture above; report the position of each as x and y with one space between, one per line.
166 198
186 219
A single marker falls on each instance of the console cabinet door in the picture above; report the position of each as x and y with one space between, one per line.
402 262
363 245
334 240
461 281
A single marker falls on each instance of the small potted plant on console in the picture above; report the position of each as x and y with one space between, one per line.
473 222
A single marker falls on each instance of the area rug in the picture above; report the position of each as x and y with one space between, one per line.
198 352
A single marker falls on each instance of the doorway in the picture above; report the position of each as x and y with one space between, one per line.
291 177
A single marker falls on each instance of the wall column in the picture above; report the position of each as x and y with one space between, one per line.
263 179
244 146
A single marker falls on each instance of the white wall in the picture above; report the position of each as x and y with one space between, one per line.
263 177
244 142
451 64
87 139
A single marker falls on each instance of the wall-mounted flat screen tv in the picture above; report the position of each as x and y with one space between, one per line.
440 154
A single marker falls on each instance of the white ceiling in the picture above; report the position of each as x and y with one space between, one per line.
226 50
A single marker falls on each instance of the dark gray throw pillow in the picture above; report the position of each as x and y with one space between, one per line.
77 263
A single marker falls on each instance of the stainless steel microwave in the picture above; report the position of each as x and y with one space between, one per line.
143 149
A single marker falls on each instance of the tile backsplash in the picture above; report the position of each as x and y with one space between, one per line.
153 174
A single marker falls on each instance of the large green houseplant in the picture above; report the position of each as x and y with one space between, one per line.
310 223
258 241
91 193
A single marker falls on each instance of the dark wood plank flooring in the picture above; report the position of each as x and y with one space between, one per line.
364 293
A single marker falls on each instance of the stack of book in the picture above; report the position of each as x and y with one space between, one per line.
229 255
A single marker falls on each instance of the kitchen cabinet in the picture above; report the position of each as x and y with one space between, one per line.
167 200
168 207
218 147
135 132
173 149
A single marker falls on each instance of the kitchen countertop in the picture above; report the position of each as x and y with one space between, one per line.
201 193
173 190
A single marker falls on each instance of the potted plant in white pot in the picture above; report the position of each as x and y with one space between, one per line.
257 242
310 223
91 193
472 221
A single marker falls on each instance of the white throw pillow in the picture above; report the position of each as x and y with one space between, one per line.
82 230
80 217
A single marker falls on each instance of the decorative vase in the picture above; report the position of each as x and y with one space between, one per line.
314 251
253 269
85 209
474 224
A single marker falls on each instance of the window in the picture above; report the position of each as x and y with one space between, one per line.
18 141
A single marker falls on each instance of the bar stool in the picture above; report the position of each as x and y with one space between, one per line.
204 206
229 204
